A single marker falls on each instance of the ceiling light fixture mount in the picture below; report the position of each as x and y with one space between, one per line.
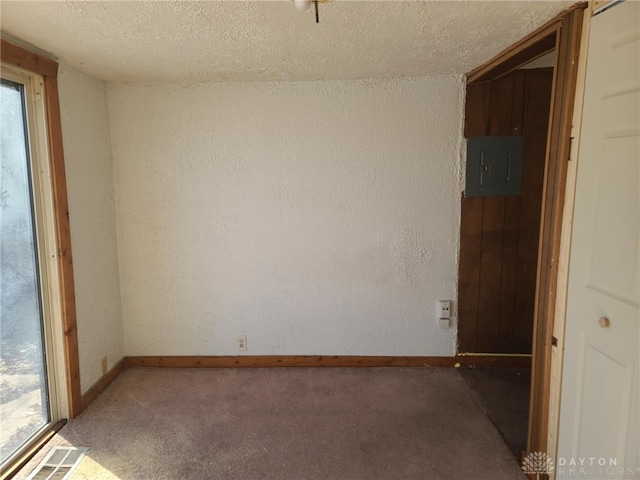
304 5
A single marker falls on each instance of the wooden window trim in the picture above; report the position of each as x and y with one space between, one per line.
20 57
566 30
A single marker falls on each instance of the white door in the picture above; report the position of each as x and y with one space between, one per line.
599 412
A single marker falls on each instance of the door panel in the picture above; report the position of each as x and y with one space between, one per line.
616 275
599 400
602 369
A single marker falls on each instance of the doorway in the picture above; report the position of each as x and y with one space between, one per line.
499 245
499 234
499 338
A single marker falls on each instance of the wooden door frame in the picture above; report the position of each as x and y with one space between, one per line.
24 59
562 34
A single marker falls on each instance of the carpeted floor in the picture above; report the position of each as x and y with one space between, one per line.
287 423
504 395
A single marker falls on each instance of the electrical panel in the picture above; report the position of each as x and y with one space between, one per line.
494 166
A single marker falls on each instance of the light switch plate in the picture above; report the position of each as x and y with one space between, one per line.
444 309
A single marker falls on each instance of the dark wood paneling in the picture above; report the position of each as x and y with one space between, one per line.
476 115
537 120
519 105
510 259
499 235
490 274
501 108
469 272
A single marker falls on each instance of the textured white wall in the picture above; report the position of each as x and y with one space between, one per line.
313 217
85 134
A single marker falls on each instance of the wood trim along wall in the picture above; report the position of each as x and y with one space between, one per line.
16 56
470 361
102 383
65 262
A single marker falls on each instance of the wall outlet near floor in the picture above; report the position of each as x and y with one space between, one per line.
242 342
103 365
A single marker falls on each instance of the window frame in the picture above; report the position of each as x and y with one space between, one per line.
31 63
45 243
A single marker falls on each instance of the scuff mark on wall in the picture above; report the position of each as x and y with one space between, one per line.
412 252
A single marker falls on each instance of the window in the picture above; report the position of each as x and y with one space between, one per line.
39 371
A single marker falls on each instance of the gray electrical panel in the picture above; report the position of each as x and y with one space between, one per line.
494 166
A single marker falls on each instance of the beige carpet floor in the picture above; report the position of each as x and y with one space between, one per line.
287 423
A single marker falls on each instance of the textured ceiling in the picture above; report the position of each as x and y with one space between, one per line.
258 41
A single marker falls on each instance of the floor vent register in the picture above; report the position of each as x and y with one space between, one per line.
58 464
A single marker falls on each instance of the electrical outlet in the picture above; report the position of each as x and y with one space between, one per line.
444 309
242 342
103 365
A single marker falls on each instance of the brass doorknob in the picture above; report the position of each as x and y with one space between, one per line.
604 322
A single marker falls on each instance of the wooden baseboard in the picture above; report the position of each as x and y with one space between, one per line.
288 361
325 361
103 383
